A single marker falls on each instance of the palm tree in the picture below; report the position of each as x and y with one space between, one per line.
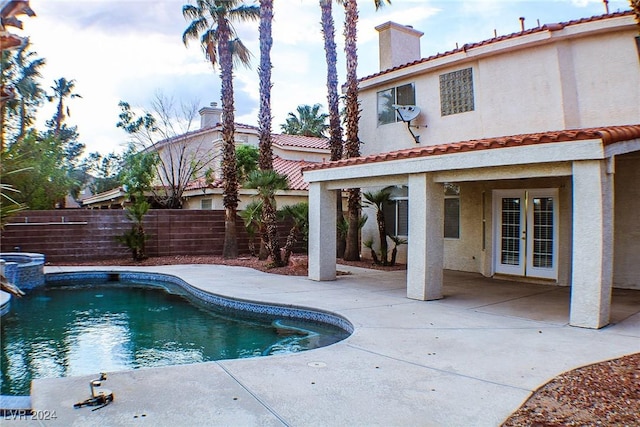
267 182
211 24
27 86
335 128
252 217
299 214
378 199
62 90
264 120
308 122
352 144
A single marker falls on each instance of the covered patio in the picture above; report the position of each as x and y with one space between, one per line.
580 165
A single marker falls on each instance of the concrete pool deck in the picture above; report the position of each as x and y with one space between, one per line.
469 359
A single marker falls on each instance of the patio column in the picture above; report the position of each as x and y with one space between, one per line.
425 252
592 262
322 232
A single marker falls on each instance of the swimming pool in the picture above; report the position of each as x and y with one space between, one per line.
82 323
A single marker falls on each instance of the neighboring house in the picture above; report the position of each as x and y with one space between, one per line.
526 163
291 154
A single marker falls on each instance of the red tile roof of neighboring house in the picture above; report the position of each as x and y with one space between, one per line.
299 141
292 169
467 46
608 135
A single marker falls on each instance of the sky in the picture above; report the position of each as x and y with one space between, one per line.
132 51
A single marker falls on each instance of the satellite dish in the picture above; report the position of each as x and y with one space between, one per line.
406 113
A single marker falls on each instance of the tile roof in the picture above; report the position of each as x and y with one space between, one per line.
467 46
292 169
299 141
608 135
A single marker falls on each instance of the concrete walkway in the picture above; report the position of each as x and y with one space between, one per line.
469 359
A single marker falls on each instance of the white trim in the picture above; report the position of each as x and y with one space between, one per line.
525 266
552 152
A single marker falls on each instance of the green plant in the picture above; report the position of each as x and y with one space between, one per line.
374 256
135 239
394 252
137 177
377 200
299 213
252 217
267 182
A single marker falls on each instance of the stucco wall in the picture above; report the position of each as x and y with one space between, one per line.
626 265
542 84
194 202
473 251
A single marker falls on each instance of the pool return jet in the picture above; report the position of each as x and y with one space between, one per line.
100 397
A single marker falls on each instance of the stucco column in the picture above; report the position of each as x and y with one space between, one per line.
425 251
322 232
592 262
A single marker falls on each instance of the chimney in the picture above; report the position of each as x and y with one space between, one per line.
210 116
398 44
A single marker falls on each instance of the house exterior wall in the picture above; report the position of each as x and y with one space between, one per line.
194 202
473 251
626 260
561 79
538 82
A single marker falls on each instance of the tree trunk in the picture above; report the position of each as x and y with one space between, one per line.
352 250
264 72
271 226
394 254
382 233
335 129
229 170
352 145
288 247
230 245
341 238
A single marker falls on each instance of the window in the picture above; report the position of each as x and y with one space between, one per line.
456 92
401 95
206 204
451 211
396 213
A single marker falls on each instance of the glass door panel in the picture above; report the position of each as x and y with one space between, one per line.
542 229
510 228
526 230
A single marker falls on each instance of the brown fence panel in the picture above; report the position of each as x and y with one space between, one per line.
67 235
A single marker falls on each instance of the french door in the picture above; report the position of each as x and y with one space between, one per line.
526 232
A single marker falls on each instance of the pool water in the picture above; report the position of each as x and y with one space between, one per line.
76 329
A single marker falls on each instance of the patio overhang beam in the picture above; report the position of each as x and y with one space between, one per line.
389 170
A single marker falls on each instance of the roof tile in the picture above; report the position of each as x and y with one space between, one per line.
609 135
467 46
292 169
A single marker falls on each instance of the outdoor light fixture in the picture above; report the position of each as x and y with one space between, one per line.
406 113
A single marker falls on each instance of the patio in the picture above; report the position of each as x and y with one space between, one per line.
469 359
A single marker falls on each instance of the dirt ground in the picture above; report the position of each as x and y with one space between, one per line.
602 394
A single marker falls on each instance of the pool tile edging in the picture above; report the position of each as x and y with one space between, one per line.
272 309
